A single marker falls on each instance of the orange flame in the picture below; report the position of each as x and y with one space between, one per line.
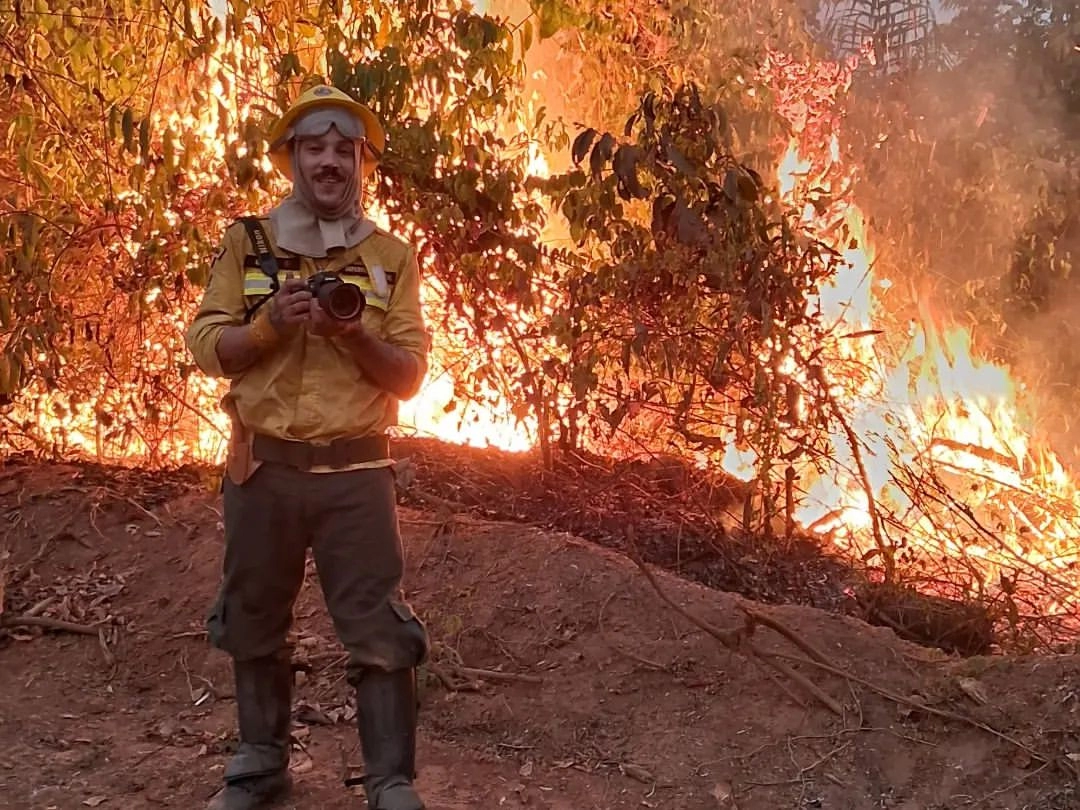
930 413
199 429
935 423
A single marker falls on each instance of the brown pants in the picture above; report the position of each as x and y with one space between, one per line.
349 519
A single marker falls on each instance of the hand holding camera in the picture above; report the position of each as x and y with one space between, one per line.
290 306
322 299
335 305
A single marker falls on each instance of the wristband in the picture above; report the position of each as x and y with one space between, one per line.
263 332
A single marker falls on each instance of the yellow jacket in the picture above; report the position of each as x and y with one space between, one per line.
308 387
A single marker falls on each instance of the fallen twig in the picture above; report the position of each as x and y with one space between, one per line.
24 570
49 624
628 653
944 714
445 524
136 504
335 659
496 675
783 687
457 678
805 769
187 634
435 500
449 683
110 659
447 666
37 609
152 752
1011 786
773 624
808 685
737 640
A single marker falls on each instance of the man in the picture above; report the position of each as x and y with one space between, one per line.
311 398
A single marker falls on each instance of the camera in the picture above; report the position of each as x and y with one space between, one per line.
339 299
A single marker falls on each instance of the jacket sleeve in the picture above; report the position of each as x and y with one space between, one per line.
403 325
222 305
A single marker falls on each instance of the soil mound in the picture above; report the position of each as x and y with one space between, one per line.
560 677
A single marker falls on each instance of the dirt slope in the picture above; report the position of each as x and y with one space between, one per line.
634 705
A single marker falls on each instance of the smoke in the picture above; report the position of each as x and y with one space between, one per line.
967 143
965 126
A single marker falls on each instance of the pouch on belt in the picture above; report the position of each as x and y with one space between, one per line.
240 462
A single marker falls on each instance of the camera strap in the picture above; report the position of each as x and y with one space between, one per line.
266 258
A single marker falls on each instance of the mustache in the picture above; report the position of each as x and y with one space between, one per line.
328 174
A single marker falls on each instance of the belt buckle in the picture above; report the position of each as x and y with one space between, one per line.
300 455
338 453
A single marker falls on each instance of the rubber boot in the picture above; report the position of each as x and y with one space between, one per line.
258 773
386 710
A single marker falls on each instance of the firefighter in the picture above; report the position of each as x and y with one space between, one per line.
315 383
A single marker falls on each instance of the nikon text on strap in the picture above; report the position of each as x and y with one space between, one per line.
267 261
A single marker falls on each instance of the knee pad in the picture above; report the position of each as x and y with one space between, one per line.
415 634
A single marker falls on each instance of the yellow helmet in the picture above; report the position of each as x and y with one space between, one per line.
323 95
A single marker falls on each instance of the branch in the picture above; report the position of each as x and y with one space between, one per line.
736 640
922 707
49 624
887 557
773 624
739 641
495 675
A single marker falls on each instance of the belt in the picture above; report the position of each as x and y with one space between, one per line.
305 455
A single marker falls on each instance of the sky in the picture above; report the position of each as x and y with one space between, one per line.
941 14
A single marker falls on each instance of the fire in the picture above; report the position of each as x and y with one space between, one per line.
440 411
103 420
946 446
946 465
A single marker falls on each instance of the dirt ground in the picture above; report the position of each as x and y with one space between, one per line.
559 677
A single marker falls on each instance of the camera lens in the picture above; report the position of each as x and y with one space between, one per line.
342 301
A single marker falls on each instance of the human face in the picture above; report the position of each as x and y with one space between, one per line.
328 163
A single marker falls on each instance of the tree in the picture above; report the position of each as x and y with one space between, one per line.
131 173
107 203
113 174
661 289
680 312
901 34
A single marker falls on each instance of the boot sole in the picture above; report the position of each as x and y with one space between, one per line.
256 801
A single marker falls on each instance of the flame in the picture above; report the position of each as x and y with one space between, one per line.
946 441
946 447
487 417
104 420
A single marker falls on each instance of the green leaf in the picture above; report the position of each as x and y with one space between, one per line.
526 35
625 165
144 138
581 145
601 154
